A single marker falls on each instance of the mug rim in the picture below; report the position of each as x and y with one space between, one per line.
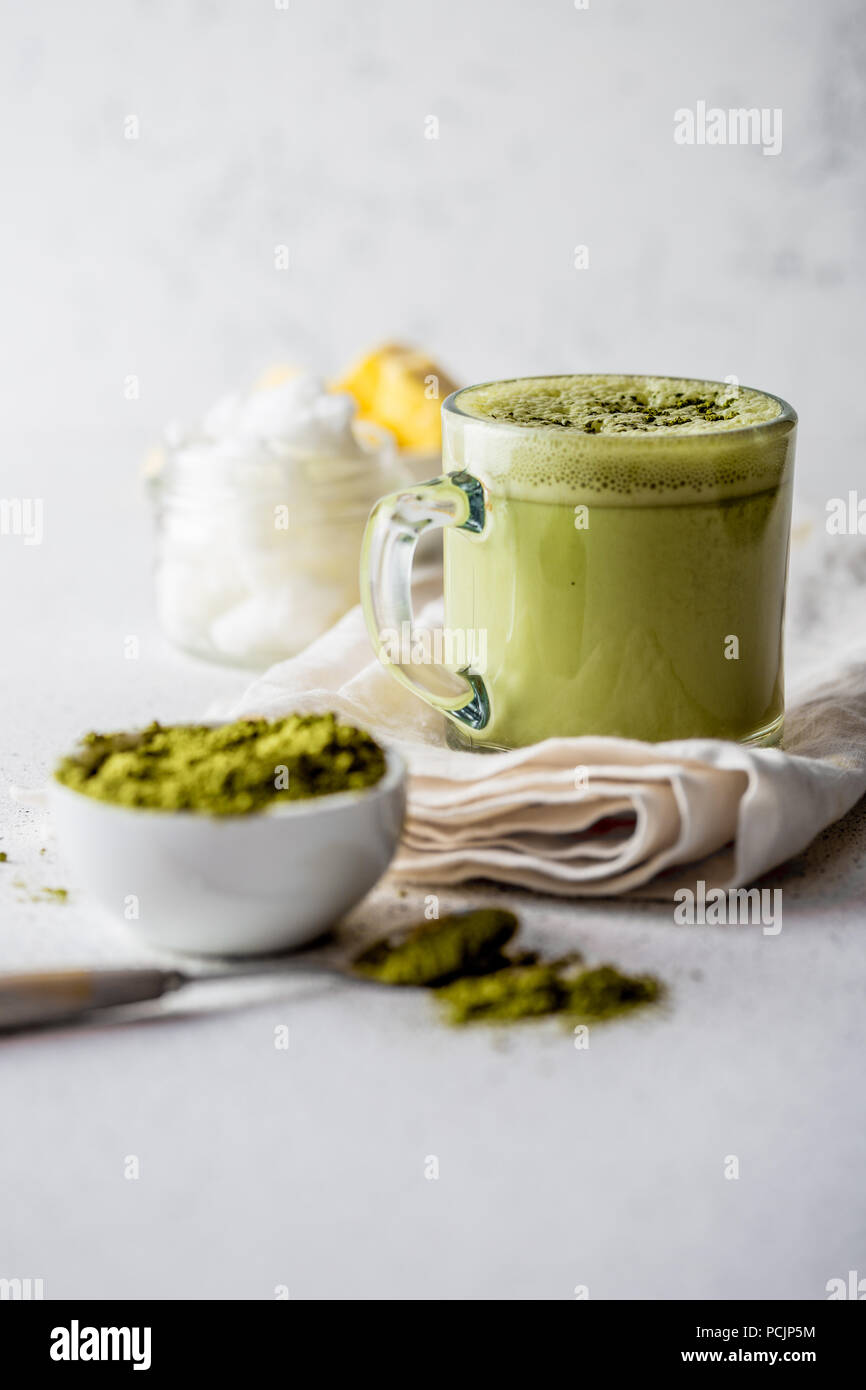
787 414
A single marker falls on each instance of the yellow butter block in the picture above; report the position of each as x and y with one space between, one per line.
402 390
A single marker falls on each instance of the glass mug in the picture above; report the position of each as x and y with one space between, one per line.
627 583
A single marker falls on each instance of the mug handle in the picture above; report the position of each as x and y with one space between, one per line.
395 526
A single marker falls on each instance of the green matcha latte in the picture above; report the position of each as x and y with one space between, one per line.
628 571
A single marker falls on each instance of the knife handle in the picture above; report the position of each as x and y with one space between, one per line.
28 1000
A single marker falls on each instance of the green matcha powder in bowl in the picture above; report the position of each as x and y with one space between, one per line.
235 839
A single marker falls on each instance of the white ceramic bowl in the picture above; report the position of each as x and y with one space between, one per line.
233 885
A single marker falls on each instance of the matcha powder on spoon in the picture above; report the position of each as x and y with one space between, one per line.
230 770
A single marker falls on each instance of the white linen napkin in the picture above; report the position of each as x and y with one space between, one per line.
599 816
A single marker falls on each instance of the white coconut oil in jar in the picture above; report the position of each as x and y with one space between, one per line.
260 515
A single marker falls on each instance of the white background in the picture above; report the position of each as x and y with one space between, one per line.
155 258
305 127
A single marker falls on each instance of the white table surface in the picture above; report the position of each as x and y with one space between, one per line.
305 1168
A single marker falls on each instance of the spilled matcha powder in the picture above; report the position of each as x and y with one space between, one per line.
557 987
40 895
462 958
231 770
52 895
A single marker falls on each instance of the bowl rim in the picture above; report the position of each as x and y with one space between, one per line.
394 776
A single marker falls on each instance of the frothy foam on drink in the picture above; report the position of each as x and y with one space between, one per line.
620 404
619 439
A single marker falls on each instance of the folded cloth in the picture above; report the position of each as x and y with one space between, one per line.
599 816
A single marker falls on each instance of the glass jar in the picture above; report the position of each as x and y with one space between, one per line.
258 542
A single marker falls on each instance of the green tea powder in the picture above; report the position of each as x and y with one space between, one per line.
464 959
434 952
231 770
